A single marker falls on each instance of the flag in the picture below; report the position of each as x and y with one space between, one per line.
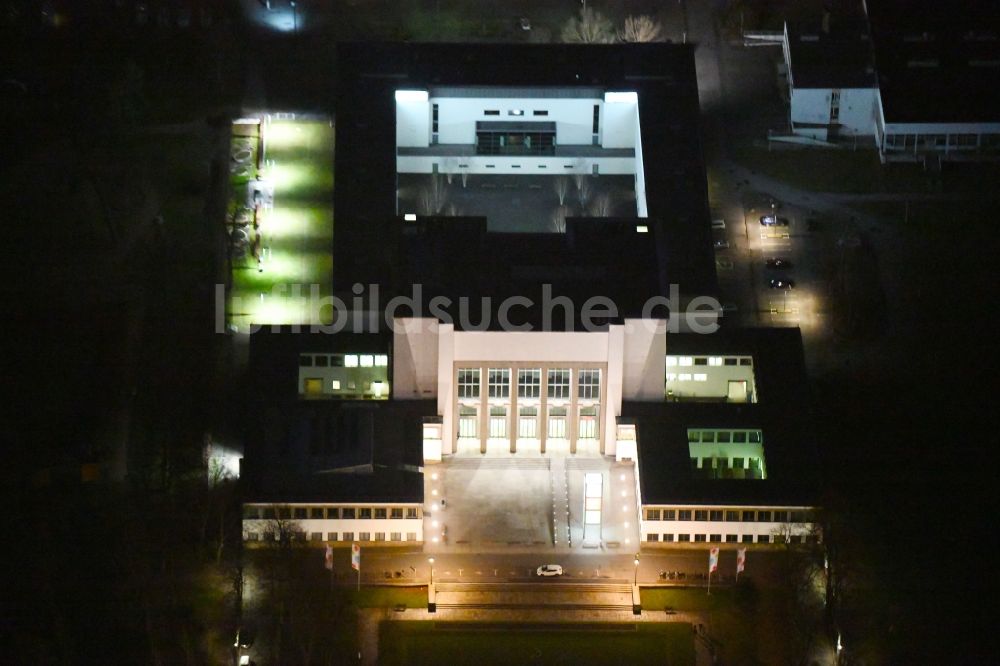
328 563
713 560
741 560
356 556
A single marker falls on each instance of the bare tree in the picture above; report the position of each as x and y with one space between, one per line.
591 27
601 206
583 194
557 222
433 195
450 167
640 29
579 172
561 186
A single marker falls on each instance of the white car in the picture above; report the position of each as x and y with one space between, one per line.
550 570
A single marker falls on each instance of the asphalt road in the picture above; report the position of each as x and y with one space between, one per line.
381 564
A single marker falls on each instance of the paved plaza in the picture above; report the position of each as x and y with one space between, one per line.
517 203
527 502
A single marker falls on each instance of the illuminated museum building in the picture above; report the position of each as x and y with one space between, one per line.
567 174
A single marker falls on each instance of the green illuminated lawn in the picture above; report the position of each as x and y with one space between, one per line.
684 599
297 234
481 644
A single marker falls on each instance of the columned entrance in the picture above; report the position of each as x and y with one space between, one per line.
529 408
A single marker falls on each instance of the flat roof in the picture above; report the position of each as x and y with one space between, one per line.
782 414
335 450
840 57
937 62
456 256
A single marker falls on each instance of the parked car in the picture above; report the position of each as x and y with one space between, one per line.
550 570
777 283
718 224
721 244
778 264
773 221
525 23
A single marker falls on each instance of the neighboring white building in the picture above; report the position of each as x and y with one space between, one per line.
917 78
831 80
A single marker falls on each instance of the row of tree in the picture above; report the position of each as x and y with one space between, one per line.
592 27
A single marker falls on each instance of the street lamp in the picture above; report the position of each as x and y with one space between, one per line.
430 561
635 579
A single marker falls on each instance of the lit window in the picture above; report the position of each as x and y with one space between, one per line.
529 383
367 360
671 361
381 360
499 382
558 383
351 361
700 377
684 377
686 360
335 385
468 383
515 112
589 384
715 360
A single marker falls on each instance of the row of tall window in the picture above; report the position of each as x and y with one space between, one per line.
329 512
529 383
333 536
731 515
724 436
732 538
343 360
685 361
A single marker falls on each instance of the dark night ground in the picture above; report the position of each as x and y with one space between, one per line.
908 454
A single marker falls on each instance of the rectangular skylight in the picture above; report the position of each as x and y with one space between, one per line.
411 95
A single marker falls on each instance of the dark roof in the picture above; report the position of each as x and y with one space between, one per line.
782 414
838 58
457 258
326 450
369 246
937 61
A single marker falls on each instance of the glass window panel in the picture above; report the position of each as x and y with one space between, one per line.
589 382
499 382
529 383
468 383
